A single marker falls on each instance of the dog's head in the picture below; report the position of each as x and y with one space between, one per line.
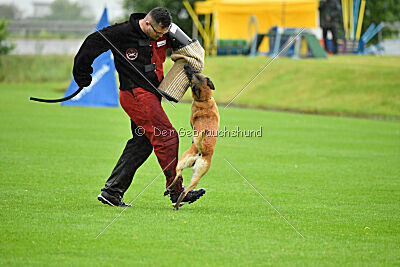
201 85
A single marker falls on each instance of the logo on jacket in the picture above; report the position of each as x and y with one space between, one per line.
131 53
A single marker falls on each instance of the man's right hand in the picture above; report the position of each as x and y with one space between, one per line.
83 81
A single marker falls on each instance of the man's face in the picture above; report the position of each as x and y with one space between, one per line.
154 30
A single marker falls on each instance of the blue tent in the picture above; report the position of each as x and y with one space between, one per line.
102 92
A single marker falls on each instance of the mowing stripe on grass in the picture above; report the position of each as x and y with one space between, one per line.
264 197
135 198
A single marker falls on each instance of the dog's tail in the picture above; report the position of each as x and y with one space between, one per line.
198 140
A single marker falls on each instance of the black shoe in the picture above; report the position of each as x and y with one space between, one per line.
111 200
191 197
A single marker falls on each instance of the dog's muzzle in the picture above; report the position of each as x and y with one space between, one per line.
176 82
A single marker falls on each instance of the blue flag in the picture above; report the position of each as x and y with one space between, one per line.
102 92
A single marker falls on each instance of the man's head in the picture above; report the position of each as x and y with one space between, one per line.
157 23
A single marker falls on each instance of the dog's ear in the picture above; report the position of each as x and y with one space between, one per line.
210 84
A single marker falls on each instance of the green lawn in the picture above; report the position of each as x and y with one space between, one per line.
347 85
335 179
341 85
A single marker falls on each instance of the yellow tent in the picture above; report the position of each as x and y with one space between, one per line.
231 17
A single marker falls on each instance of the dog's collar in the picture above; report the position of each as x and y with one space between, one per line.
203 100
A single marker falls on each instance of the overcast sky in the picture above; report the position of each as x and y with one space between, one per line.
96 6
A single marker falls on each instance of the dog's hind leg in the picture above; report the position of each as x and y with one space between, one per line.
198 140
187 160
201 166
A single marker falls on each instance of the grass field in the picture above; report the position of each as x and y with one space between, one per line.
335 179
341 85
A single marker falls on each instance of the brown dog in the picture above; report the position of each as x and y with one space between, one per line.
204 120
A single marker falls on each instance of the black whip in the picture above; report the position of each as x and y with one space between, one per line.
56 100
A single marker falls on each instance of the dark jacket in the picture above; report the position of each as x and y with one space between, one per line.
329 13
129 45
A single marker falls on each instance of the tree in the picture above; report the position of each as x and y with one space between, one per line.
65 10
176 8
4 48
381 11
9 11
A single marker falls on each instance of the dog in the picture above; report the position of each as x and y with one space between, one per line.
204 120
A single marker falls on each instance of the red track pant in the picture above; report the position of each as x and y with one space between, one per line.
145 109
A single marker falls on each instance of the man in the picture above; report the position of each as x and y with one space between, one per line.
329 11
138 45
